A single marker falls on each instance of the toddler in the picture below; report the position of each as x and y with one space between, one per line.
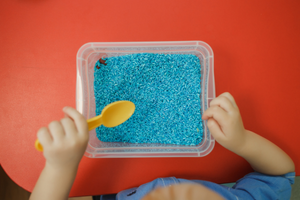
65 141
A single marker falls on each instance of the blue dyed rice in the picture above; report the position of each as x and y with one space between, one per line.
166 91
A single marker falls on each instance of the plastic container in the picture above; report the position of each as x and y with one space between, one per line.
87 56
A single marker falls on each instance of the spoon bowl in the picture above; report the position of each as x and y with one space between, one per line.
112 115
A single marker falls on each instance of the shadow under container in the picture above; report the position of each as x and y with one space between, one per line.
88 55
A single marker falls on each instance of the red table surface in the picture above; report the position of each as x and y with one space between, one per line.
256 56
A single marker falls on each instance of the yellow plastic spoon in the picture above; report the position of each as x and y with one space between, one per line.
112 115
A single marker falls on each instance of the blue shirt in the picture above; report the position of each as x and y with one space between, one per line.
255 185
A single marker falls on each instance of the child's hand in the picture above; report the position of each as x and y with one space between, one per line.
65 141
225 122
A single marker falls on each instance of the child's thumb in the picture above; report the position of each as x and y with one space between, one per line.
215 129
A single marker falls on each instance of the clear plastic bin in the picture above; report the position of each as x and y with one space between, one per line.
87 56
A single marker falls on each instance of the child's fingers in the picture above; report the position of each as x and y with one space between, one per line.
56 130
66 115
230 97
223 102
78 118
69 126
217 113
215 129
44 136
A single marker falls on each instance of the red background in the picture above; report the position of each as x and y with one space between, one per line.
256 48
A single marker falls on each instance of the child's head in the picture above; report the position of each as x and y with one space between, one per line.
183 191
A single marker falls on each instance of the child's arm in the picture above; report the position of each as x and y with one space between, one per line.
64 143
225 124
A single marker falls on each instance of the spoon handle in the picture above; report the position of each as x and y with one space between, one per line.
94 122
38 145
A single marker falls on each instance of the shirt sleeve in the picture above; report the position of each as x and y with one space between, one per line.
261 186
